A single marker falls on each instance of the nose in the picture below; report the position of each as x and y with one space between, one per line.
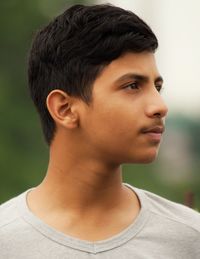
156 106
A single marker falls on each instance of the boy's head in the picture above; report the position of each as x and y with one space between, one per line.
72 51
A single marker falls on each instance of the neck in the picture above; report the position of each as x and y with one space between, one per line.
82 195
80 185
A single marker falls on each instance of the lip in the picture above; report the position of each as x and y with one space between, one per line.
154 129
154 136
154 133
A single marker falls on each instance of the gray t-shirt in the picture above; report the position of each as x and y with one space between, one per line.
162 229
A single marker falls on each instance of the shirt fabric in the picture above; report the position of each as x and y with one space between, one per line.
163 229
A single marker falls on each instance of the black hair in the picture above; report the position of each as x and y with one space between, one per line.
71 51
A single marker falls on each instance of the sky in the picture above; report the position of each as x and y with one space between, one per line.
176 25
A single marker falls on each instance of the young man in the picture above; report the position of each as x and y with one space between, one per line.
94 81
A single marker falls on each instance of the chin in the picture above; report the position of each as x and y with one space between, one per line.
140 160
146 158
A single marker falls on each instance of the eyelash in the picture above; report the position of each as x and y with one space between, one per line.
159 88
136 86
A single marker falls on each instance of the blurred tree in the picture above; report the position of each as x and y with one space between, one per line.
23 153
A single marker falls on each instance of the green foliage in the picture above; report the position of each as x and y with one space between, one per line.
23 152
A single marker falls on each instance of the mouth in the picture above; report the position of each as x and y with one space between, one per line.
154 132
154 129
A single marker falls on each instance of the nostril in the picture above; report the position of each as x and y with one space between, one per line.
157 115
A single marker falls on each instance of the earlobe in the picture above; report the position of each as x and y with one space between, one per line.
62 109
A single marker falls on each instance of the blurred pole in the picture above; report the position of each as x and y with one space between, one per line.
189 199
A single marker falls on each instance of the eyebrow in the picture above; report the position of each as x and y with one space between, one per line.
139 77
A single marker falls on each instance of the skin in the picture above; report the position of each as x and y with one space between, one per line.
82 194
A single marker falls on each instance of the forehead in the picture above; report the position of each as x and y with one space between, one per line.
138 63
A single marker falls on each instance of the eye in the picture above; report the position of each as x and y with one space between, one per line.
133 85
159 88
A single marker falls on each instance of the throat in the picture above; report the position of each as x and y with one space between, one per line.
93 224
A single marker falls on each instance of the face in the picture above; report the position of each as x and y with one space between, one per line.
125 122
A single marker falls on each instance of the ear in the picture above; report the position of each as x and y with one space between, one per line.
62 108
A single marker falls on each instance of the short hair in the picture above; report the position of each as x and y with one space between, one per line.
71 51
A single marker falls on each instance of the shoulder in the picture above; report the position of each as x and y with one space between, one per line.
15 233
10 212
12 224
173 211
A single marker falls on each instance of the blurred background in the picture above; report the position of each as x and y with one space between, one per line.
23 153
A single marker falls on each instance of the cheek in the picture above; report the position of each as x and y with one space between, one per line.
114 133
114 126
